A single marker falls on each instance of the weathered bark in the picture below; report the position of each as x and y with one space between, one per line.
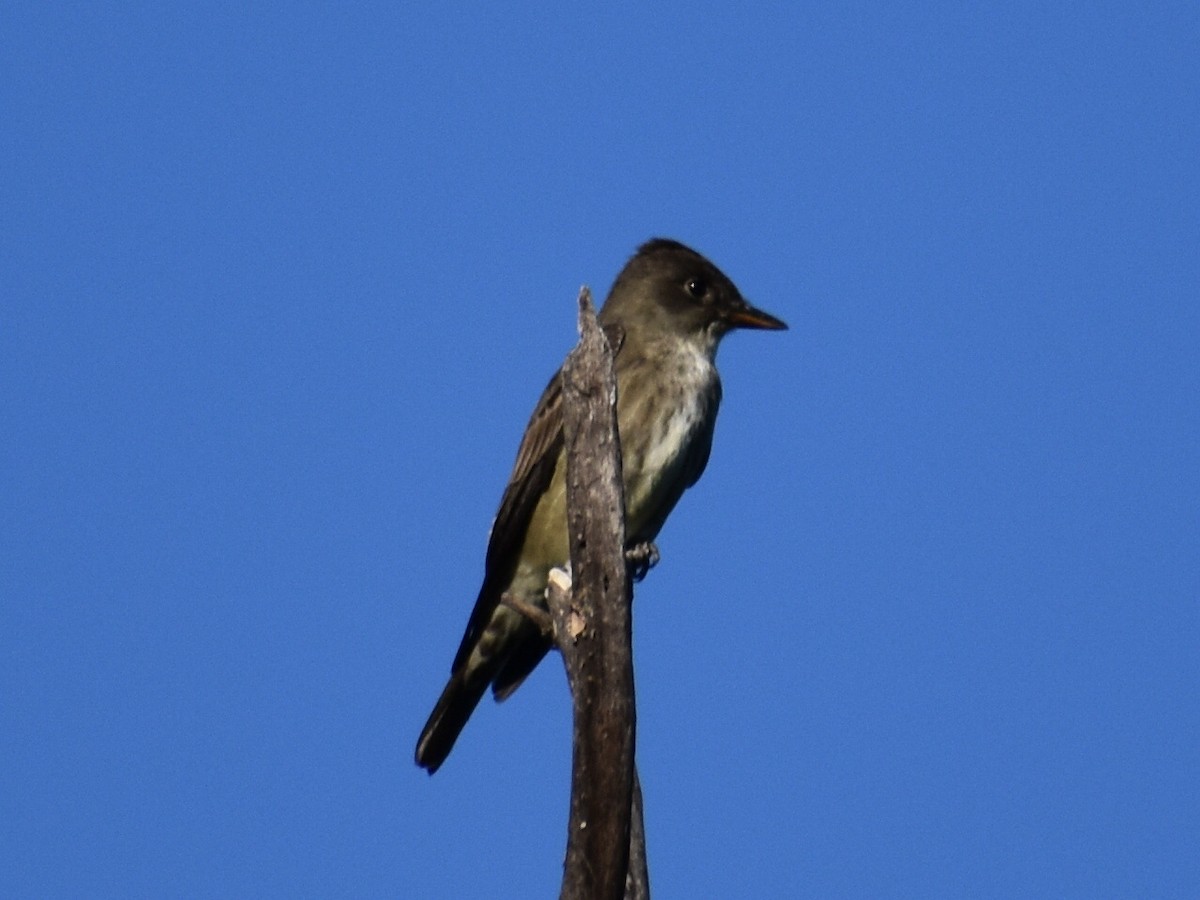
637 881
593 630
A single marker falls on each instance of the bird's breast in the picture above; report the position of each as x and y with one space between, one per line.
664 412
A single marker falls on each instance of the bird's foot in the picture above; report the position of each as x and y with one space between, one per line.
641 558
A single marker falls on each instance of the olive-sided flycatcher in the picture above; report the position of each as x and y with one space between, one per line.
665 315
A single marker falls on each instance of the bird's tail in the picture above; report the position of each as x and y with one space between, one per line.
459 699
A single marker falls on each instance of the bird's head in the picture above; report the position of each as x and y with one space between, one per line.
670 289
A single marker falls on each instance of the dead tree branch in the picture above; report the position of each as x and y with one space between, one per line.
592 625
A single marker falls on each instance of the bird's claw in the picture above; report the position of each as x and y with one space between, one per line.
641 558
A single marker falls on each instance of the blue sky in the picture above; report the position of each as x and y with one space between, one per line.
280 289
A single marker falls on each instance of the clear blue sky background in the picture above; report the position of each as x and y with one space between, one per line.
280 289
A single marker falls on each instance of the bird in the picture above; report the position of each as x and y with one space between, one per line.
665 315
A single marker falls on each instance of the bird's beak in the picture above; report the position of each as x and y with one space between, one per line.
747 316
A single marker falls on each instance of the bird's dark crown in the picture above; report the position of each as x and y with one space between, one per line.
667 285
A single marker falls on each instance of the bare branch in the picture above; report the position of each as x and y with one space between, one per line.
637 882
592 623
535 614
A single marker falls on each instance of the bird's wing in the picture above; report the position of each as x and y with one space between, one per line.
703 446
536 459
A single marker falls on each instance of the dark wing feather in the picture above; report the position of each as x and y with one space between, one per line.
532 473
703 448
536 459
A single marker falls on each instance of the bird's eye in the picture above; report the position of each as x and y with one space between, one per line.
697 287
